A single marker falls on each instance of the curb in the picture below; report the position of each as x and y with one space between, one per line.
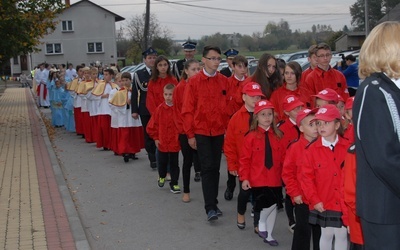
74 220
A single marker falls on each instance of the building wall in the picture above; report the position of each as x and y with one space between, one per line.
341 44
90 24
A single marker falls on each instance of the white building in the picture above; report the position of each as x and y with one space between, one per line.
85 33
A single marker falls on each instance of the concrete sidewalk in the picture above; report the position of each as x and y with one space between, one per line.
36 209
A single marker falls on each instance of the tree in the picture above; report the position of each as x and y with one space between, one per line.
248 42
24 23
376 10
135 29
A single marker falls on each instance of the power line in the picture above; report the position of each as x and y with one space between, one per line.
252 11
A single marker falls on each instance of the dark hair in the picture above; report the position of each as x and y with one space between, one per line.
280 63
110 71
186 65
239 59
312 50
295 66
169 86
350 57
63 65
78 67
270 83
210 47
126 75
51 75
155 72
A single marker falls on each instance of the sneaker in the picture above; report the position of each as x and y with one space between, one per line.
252 212
212 215
153 165
161 182
197 177
218 211
175 189
168 177
228 194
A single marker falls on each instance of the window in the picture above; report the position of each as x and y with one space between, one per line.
95 47
67 26
53 48
15 60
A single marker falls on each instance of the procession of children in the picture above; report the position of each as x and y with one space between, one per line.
280 134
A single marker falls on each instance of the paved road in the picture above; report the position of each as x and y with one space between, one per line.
121 207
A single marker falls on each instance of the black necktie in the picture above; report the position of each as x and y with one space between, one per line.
332 147
268 152
251 118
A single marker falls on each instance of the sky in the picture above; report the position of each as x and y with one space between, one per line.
184 19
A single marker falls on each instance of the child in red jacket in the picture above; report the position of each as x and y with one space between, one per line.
348 120
261 167
163 131
291 105
238 127
326 96
322 178
291 175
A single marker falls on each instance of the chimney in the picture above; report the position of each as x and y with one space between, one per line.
67 3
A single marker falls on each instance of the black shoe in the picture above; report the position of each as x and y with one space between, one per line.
197 177
153 165
212 215
126 158
218 211
228 194
241 225
106 149
133 156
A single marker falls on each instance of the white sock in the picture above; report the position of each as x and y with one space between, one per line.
271 221
325 242
341 240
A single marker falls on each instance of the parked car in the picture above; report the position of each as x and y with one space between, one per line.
304 63
127 68
222 65
294 56
252 65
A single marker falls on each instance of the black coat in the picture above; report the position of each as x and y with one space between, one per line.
139 85
377 131
178 68
226 72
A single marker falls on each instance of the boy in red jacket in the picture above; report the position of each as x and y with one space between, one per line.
291 175
163 131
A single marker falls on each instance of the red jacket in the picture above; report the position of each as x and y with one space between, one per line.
178 102
320 79
290 132
252 160
162 127
322 174
238 126
305 74
155 92
204 105
356 235
234 103
277 98
292 168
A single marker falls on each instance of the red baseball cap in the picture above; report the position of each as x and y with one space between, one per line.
252 89
303 114
291 102
328 113
263 104
328 95
349 103
340 98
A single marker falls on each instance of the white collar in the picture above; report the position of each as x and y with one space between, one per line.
209 75
328 144
239 79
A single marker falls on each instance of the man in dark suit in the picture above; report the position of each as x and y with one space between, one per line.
230 54
189 49
140 82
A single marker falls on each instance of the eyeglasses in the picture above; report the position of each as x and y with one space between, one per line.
215 59
325 56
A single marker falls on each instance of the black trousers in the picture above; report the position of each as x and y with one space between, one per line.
170 159
303 230
243 198
380 236
189 156
209 150
231 182
149 144
289 209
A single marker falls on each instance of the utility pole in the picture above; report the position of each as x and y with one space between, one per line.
366 19
146 25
